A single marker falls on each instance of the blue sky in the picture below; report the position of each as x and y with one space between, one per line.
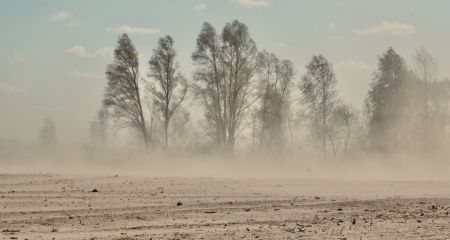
53 54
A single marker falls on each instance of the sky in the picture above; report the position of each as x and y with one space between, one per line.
53 53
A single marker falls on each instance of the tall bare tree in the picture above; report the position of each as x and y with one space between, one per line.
122 93
224 78
318 88
426 71
171 87
274 93
239 56
209 85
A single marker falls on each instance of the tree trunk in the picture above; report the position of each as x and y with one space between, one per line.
166 136
231 140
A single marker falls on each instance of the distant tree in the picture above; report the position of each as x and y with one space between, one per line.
153 120
224 79
386 102
47 134
318 88
99 127
239 59
426 71
274 93
181 130
122 93
171 87
209 85
343 127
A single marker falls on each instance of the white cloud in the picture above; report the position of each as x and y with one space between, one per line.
253 3
17 59
81 51
200 7
84 75
10 89
59 16
135 30
352 66
281 44
393 28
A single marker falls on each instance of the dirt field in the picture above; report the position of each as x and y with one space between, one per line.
46 206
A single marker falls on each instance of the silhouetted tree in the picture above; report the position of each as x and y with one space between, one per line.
171 87
209 85
223 80
428 96
344 126
274 94
99 127
47 134
318 88
122 93
386 101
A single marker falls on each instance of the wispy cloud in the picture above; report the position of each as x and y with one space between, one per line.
59 16
135 30
84 75
81 51
10 89
352 65
253 3
281 44
393 28
17 59
200 7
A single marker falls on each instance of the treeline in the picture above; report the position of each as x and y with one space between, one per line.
254 100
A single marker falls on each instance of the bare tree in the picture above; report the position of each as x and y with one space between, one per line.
274 94
99 127
239 55
182 130
426 71
318 87
209 85
170 90
122 93
224 79
153 120
47 134
343 127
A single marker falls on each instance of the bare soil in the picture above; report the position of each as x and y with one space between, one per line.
49 206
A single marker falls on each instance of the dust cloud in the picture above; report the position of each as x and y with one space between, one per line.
76 160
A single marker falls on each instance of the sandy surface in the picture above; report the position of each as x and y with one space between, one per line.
46 206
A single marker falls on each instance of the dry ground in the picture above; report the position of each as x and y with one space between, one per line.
47 206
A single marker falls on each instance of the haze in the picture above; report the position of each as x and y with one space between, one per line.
53 54
234 119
